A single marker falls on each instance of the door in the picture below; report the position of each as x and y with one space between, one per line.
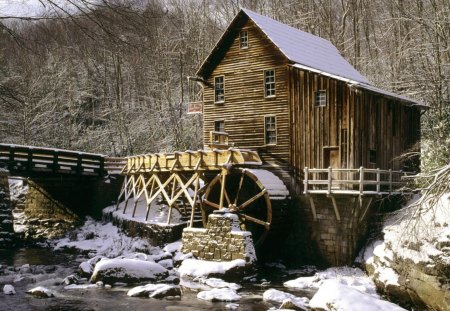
331 159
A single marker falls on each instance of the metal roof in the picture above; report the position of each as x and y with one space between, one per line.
306 49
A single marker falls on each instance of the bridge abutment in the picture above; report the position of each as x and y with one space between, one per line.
7 236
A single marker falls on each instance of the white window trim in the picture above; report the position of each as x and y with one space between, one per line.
326 98
265 131
240 46
274 82
221 101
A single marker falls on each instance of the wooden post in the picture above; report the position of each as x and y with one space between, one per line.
378 180
361 180
55 162
197 181
222 187
390 181
329 180
30 159
305 182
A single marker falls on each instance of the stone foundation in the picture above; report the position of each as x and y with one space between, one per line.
325 240
37 216
7 236
222 240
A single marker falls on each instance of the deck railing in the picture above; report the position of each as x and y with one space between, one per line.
353 181
218 139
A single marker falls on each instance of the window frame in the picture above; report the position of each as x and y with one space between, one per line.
243 34
266 143
222 121
270 83
318 100
223 90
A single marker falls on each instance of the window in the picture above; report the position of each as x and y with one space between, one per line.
320 98
219 89
372 156
219 126
243 39
270 124
269 83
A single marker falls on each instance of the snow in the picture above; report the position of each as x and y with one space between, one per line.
415 233
150 290
202 268
350 277
219 294
335 296
8 289
40 292
275 187
81 286
277 296
173 247
232 306
133 268
218 283
102 239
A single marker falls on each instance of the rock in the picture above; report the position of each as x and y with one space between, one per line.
40 292
166 263
9 290
71 279
167 290
288 301
228 270
155 291
219 294
128 271
232 306
218 283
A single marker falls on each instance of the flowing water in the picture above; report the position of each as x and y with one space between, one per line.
48 268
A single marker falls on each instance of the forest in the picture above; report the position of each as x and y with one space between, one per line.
110 76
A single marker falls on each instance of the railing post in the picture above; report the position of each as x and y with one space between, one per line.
30 159
305 182
361 180
390 181
11 158
79 164
102 166
55 162
378 180
329 180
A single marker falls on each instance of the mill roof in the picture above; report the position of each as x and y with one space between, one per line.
302 49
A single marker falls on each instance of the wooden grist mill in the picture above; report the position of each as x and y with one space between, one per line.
294 138
195 183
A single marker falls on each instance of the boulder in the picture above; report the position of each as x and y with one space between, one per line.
128 271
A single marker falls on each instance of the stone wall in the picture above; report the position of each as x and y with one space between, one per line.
37 215
221 240
6 218
327 241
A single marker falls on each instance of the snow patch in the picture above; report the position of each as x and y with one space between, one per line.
279 297
202 268
219 294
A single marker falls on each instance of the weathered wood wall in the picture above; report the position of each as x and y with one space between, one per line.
245 105
370 120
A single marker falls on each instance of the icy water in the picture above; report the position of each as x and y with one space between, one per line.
48 268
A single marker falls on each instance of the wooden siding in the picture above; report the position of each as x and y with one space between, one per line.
245 105
372 122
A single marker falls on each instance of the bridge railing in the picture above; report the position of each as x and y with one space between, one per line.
21 158
353 181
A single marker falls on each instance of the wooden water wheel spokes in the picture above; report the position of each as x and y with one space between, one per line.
240 191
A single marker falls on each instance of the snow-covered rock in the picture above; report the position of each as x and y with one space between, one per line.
219 294
412 262
128 271
335 296
351 277
155 291
202 268
278 297
218 283
40 292
8 289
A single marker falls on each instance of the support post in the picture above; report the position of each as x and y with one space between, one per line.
378 180
329 180
361 180
305 181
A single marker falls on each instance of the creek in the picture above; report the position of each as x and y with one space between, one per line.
34 266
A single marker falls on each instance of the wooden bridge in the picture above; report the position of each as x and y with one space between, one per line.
29 160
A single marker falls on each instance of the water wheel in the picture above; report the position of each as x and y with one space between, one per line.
242 193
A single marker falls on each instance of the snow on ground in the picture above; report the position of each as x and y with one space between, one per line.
279 297
202 268
219 294
335 296
103 239
351 277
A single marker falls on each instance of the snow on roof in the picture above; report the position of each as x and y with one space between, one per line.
305 48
